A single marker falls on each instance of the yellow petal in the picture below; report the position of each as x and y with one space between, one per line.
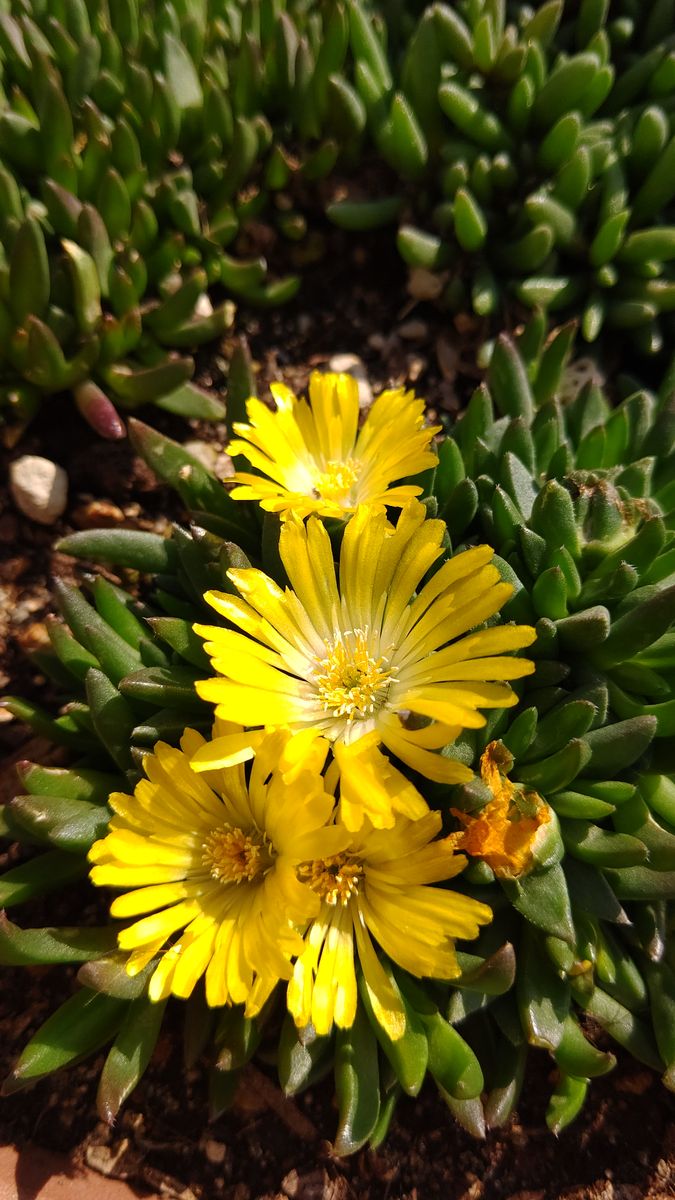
432 766
192 962
385 999
227 751
146 899
161 923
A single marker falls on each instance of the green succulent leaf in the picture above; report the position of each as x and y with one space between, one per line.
27 947
83 1024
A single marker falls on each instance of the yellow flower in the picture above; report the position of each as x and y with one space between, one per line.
315 458
504 833
367 662
215 862
378 888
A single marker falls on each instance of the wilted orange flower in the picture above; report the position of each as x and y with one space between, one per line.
504 832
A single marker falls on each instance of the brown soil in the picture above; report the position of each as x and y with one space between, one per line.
269 1147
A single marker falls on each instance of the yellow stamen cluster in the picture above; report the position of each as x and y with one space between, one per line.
335 483
335 880
232 856
350 681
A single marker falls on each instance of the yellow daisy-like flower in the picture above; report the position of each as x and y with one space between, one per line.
378 888
215 863
315 458
505 832
367 661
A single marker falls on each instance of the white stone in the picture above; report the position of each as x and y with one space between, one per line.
413 331
424 284
576 375
203 307
39 488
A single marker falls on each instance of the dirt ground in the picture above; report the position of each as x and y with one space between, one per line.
269 1147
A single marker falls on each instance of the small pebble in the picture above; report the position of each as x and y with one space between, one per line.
290 1183
97 514
224 467
24 608
39 488
215 1151
416 365
413 331
203 307
577 375
424 284
33 637
105 1159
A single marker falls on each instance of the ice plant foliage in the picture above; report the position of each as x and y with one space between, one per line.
316 459
373 655
497 128
322 873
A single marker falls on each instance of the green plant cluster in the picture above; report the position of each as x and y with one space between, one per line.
527 157
539 145
578 498
135 145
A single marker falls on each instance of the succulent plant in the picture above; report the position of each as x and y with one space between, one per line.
534 151
92 298
576 495
569 821
134 146
531 152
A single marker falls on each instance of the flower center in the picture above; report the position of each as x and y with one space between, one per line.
233 856
334 879
351 682
336 482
